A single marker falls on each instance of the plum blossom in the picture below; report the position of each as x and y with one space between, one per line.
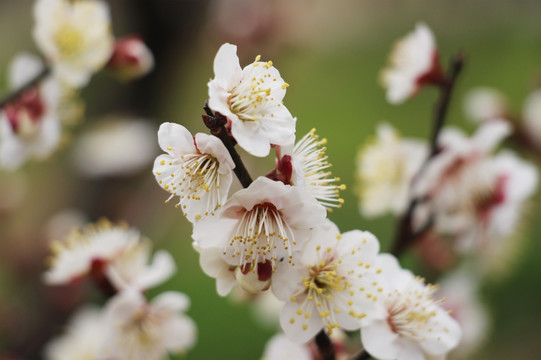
75 36
413 63
305 164
197 169
333 285
531 118
29 125
386 167
142 330
475 197
82 339
408 324
260 226
251 98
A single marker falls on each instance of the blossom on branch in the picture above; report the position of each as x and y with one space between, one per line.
74 36
333 285
251 98
414 62
386 167
279 347
260 227
409 324
197 169
29 125
131 58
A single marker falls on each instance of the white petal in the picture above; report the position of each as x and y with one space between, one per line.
297 327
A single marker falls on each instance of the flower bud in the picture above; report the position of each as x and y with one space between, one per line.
131 59
254 280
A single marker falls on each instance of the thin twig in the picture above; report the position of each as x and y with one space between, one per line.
216 124
324 345
405 234
34 81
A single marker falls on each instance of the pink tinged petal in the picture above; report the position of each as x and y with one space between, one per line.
179 333
279 347
162 268
214 231
175 139
209 144
24 68
380 341
365 240
287 280
490 134
214 265
227 70
296 326
410 350
248 137
123 305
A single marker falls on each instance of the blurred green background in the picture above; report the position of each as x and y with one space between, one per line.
330 52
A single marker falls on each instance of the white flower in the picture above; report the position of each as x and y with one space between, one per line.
531 117
263 223
74 36
385 169
333 285
140 330
409 324
306 165
83 337
413 63
115 147
279 347
252 99
96 245
215 266
196 169
130 269
29 125
484 103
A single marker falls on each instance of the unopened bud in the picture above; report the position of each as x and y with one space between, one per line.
131 58
254 281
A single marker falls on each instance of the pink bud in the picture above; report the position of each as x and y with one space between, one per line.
131 58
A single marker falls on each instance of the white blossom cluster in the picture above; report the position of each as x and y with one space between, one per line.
76 41
274 235
118 260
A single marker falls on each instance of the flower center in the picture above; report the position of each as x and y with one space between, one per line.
197 183
25 113
410 311
68 39
252 93
260 236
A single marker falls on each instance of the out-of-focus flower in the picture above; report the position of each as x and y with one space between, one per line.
261 224
333 285
279 347
197 169
83 338
385 169
29 125
63 222
88 249
251 98
460 292
531 117
74 36
131 58
414 62
473 197
484 103
131 268
306 165
140 330
409 323
115 147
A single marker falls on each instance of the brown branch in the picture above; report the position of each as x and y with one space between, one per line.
362 355
216 123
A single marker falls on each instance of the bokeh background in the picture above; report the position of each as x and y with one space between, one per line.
330 52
